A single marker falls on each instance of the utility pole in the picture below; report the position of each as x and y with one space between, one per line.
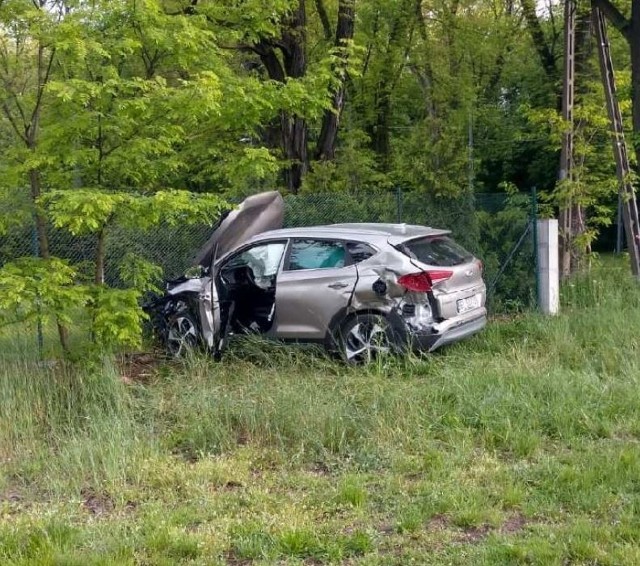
627 193
567 219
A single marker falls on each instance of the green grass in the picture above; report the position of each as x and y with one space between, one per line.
519 446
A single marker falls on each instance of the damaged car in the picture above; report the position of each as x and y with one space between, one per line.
360 290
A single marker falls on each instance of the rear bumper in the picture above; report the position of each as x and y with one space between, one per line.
449 331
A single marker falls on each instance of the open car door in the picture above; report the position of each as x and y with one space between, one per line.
256 214
209 309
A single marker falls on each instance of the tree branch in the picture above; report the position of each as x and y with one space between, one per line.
324 18
270 60
617 19
16 100
12 121
367 59
42 82
535 29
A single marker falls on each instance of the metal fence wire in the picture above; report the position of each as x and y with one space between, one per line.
495 227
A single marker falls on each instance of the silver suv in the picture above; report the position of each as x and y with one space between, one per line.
358 289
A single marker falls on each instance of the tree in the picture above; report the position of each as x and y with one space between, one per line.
31 35
273 41
97 130
326 146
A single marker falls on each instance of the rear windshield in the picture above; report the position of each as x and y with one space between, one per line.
436 250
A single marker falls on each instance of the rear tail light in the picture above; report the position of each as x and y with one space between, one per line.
480 265
424 280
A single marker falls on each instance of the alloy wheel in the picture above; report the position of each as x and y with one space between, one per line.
366 340
182 335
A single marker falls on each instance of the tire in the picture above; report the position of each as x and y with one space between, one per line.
182 334
365 337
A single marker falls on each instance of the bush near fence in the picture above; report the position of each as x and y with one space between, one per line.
489 225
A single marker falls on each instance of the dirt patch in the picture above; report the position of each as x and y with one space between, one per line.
386 529
97 503
12 503
139 367
471 535
232 485
232 560
438 522
514 524
11 497
320 468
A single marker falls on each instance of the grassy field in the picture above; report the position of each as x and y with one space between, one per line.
519 446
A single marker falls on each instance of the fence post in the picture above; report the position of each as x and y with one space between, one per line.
35 250
548 272
399 205
534 224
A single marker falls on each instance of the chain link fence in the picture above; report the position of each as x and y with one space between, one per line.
496 227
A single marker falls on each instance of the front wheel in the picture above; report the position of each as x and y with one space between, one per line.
182 334
366 337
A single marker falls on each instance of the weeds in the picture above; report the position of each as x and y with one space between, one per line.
517 446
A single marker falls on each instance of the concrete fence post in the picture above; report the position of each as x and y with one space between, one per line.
548 268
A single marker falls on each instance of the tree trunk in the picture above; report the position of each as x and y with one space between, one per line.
545 55
294 143
40 219
292 128
401 30
324 18
43 244
326 147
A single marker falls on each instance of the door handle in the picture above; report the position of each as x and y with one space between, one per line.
338 285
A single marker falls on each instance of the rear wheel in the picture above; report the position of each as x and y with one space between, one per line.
365 337
182 334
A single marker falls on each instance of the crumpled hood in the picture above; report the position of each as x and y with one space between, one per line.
256 214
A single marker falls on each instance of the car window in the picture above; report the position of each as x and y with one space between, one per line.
263 259
359 251
316 254
436 250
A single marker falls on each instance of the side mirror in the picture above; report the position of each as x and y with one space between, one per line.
194 272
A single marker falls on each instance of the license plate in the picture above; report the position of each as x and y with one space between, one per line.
468 303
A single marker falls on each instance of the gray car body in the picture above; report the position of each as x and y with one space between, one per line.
311 305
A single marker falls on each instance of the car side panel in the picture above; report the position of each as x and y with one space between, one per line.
308 299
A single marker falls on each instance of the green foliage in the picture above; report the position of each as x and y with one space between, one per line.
46 290
498 234
35 288
355 168
117 317
139 274
82 211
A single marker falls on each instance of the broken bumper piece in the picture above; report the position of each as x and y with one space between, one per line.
449 331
